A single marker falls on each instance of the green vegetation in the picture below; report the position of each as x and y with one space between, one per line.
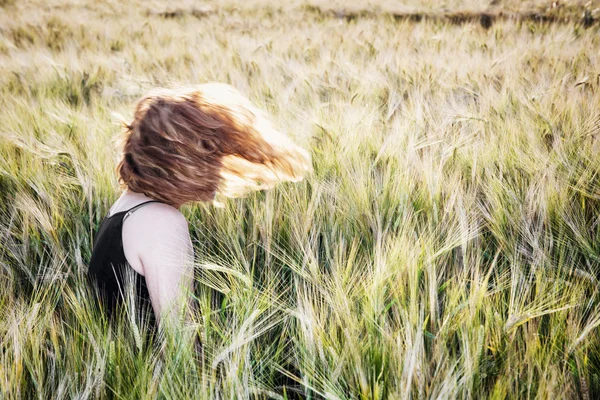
446 246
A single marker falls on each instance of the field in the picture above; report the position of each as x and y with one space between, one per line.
446 245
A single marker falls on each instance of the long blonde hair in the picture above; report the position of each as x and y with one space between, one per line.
187 144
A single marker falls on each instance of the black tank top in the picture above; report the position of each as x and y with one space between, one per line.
109 270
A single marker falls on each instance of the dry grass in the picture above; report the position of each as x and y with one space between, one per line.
446 246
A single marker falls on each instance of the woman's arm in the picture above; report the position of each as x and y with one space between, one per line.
167 257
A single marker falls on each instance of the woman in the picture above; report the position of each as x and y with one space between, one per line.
183 145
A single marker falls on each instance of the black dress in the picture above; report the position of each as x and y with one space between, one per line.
110 272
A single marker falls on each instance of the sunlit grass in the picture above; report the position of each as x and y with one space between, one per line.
446 245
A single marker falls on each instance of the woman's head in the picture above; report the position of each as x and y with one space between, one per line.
188 144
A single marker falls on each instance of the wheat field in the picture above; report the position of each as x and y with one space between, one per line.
446 245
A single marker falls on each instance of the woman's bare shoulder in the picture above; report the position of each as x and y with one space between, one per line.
155 221
153 230
161 216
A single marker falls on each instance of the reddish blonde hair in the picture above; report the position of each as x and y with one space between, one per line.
188 144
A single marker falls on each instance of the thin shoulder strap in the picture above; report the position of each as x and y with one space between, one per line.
132 209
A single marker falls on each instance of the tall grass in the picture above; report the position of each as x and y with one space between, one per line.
446 246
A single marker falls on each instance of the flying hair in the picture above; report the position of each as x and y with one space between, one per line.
187 144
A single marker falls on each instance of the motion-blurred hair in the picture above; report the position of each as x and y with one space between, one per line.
187 144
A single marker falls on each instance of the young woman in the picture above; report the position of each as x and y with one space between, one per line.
183 145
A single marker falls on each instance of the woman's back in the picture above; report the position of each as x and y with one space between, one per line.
111 272
148 241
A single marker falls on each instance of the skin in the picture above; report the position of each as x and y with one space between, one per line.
157 245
